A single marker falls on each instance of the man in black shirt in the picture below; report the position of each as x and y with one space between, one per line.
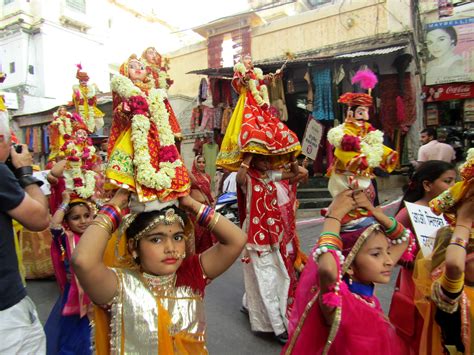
20 198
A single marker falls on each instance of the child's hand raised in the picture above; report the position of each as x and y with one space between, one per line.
362 200
342 204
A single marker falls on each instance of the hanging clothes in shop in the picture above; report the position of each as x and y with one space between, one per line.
310 94
323 98
196 117
277 98
389 90
226 115
217 117
207 123
45 140
209 151
203 90
221 91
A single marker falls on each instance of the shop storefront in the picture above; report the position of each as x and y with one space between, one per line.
450 109
312 83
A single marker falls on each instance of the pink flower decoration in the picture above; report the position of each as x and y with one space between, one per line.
138 105
168 154
350 143
77 182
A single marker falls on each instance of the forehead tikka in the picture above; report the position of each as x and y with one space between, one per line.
168 218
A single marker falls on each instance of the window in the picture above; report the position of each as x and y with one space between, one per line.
12 67
31 69
6 2
228 52
316 3
78 5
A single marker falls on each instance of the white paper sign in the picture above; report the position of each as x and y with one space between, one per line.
426 224
312 138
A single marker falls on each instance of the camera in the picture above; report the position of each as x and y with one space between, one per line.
18 149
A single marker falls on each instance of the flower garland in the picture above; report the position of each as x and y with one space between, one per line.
371 146
257 95
82 183
163 78
64 123
146 173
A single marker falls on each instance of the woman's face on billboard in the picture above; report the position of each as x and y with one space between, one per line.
439 43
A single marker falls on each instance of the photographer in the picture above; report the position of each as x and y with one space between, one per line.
20 199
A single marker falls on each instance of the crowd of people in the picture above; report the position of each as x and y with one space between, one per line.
136 238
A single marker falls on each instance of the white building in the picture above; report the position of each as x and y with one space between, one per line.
42 41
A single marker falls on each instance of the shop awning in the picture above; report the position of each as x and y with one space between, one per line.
371 53
366 48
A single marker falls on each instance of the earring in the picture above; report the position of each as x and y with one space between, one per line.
136 258
350 280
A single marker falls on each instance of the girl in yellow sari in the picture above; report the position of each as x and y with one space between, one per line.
445 280
155 297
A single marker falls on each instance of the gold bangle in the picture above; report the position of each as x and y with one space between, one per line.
214 221
201 210
102 225
452 286
243 165
106 219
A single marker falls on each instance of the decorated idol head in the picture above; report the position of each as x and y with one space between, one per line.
82 76
134 69
152 56
246 60
359 103
62 111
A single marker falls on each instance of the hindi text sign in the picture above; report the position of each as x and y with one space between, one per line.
312 138
426 224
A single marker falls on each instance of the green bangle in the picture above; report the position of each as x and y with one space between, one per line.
330 233
394 225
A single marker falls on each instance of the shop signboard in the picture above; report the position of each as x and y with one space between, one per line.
312 138
469 110
450 50
432 115
446 92
425 224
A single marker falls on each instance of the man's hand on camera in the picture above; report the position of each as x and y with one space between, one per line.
22 159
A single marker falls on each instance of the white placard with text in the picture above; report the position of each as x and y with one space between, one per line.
312 138
426 224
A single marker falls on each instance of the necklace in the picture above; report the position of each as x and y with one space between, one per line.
159 283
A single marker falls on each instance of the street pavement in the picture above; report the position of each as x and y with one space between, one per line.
228 330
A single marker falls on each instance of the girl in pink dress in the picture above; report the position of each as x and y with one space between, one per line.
335 310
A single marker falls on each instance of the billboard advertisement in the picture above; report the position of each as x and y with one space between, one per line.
450 51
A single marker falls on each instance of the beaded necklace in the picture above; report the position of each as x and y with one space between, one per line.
158 284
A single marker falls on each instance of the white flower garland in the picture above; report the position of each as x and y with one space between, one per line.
371 146
257 95
162 79
88 181
335 135
146 173
64 123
